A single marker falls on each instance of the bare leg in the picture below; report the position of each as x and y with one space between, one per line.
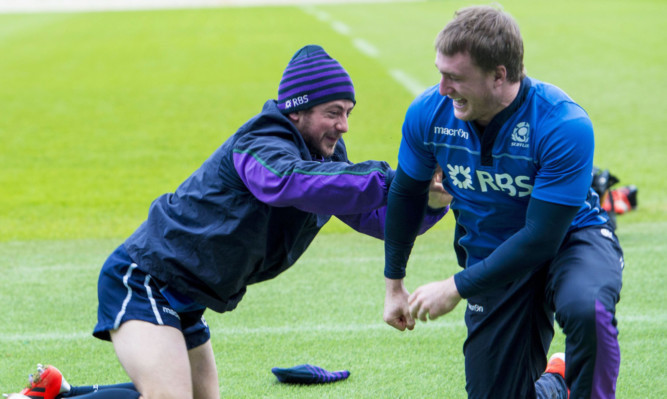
156 359
204 372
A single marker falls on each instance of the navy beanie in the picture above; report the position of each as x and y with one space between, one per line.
312 77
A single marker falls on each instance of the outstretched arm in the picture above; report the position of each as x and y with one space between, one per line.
274 171
373 223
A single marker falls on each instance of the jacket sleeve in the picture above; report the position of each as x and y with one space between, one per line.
272 168
373 223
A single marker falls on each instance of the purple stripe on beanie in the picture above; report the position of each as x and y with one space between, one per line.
289 72
315 66
321 79
311 74
331 91
317 87
608 354
313 60
319 55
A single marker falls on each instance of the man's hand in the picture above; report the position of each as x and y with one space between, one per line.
438 197
433 300
396 311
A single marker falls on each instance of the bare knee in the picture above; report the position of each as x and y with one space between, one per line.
155 358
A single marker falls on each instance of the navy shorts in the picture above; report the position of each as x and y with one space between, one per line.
127 293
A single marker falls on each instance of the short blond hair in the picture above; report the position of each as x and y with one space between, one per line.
489 35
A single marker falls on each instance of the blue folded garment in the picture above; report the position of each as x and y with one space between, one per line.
308 374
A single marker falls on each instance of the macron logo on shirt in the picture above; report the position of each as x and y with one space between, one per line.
445 131
475 308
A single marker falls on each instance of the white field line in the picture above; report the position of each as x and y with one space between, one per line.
232 331
366 47
29 6
442 324
407 81
341 28
320 15
412 85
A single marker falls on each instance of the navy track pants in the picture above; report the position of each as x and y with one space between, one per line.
510 329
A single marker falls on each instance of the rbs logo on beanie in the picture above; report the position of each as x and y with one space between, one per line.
296 101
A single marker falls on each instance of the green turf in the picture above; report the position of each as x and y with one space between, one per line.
102 112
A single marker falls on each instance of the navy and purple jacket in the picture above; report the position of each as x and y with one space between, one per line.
250 211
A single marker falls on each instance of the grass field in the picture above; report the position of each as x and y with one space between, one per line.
102 112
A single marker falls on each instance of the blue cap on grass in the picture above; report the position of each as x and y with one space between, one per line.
312 77
308 374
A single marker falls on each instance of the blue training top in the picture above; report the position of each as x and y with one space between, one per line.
541 146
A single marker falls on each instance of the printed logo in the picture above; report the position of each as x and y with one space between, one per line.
451 132
296 101
475 308
170 311
513 186
606 233
521 134
460 176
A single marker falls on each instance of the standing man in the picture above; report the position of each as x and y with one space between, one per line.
530 234
244 216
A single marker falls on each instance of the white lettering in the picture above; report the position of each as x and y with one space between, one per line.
522 182
504 181
485 179
475 308
451 132
170 311
298 100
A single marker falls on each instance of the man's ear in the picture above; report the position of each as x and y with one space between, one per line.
294 116
500 75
